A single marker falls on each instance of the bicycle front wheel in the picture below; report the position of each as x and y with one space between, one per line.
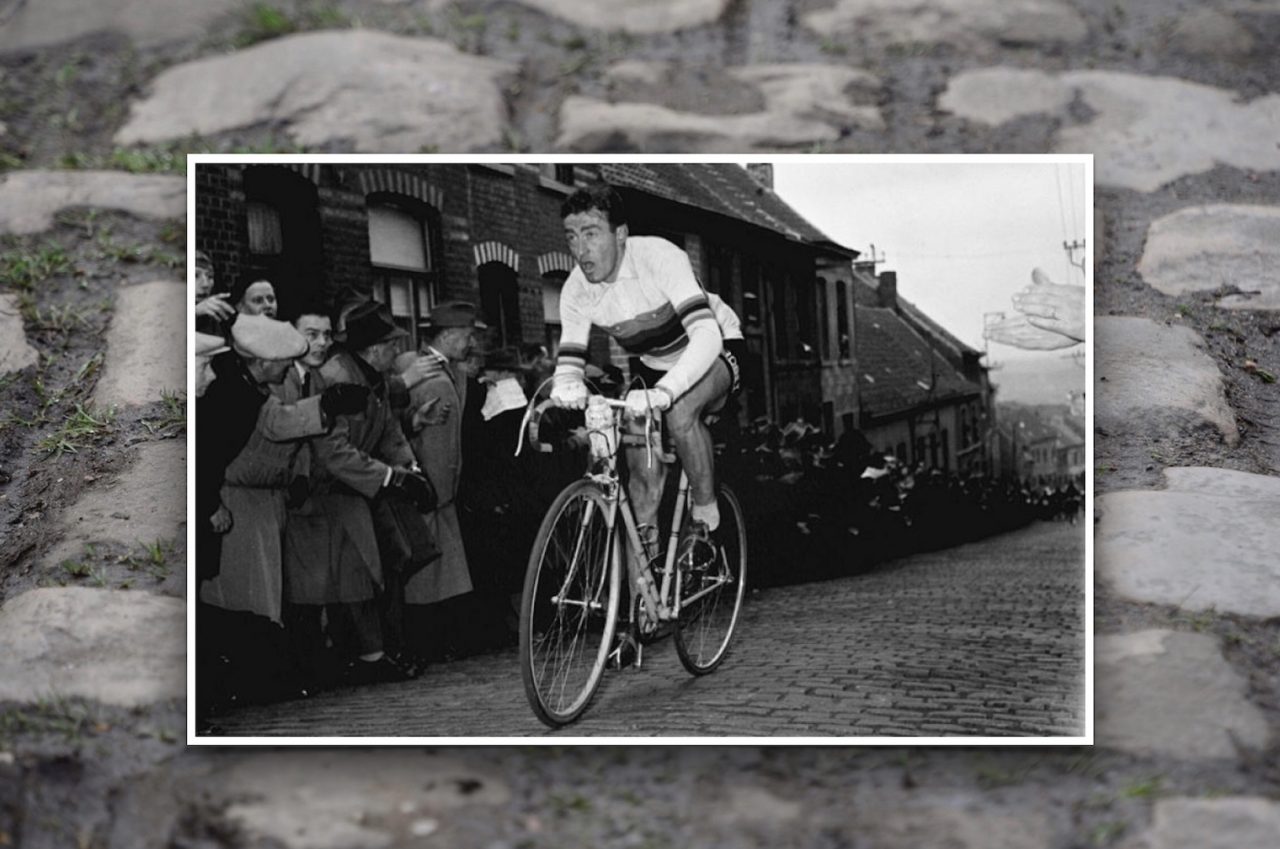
712 599
569 609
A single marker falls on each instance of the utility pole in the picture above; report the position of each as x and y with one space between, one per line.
874 259
1071 248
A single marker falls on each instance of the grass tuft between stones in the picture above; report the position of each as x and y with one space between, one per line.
23 270
84 426
264 21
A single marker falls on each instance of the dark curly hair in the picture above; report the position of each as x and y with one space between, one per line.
601 196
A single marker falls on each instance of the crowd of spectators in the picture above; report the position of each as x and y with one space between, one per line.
837 507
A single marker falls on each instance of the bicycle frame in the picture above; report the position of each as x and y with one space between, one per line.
582 539
663 601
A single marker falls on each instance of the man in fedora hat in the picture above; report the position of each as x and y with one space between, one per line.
433 421
372 341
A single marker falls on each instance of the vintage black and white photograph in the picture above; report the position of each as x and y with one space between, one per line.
696 449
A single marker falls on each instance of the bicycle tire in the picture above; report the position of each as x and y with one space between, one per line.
569 607
706 626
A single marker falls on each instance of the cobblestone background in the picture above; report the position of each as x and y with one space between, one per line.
1177 100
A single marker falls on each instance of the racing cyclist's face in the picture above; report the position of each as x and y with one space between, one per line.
595 245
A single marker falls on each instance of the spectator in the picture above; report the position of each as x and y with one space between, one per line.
366 357
433 421
212 310
331 558
258 298
250 514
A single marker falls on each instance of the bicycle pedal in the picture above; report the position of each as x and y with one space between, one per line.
626 653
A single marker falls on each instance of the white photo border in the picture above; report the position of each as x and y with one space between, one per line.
565 737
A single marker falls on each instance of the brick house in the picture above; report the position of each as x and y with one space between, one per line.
414 235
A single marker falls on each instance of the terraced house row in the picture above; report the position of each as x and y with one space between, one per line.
829 340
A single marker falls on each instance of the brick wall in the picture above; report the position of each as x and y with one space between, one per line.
344 228
220 221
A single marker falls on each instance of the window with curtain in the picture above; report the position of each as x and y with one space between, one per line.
266 233
402 251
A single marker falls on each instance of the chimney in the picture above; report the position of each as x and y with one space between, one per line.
887 291
762 173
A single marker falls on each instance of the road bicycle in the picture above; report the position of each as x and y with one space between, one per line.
573 589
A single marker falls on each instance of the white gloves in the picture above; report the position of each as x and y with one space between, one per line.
570 393
641 401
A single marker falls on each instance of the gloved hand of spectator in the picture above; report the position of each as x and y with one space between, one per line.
641 401
570 393
415 487
220 521
298 492
344 399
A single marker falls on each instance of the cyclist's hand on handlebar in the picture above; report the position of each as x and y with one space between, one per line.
641 401
570 393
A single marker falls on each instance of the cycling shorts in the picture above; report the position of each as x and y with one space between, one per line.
731 355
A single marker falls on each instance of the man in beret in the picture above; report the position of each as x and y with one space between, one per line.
244 467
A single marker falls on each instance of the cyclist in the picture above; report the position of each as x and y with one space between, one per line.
643 292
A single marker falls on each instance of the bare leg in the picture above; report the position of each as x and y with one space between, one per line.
692 439
645 485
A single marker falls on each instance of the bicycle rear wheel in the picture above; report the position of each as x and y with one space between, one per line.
714 597
569 609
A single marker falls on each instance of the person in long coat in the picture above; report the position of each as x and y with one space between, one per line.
434 421
252 512
331 553
374 455
239 650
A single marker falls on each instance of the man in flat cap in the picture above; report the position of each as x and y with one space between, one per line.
365 358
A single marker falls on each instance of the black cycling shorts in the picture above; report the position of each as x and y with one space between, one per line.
731 354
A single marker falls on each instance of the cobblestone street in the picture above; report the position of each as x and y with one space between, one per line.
986 639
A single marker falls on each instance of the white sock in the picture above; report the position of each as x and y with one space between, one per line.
708 513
